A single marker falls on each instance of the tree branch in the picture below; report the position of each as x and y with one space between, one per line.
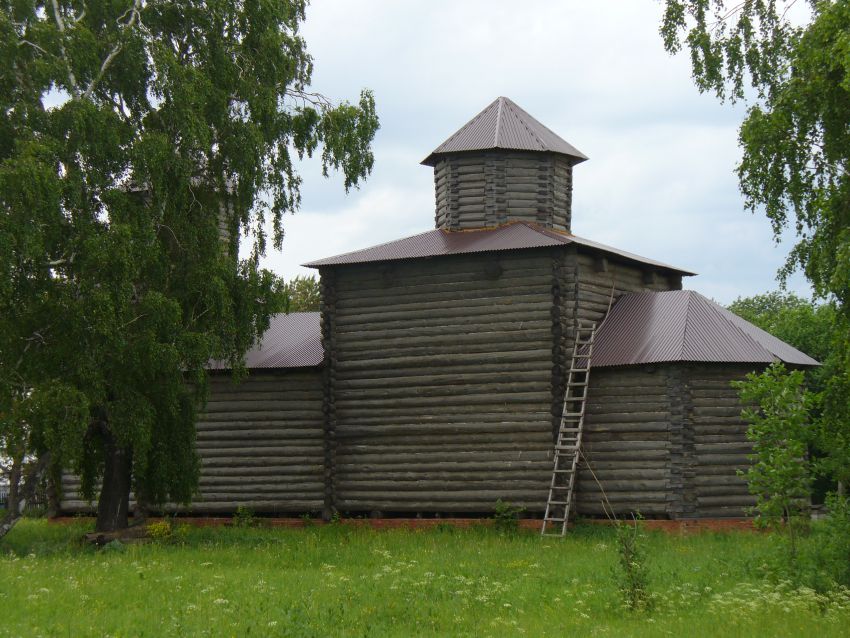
60 24
135 16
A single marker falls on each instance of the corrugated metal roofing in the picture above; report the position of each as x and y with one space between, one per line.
682 325
505 125
292 341
439 242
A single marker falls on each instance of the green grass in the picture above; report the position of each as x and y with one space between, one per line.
338 580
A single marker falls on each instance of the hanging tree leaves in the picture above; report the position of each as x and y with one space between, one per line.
139 140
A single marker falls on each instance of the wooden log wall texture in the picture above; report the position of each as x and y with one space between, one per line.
490 188
260 443
598 278
667 441
587 282
626 444
720 445
442 383
327 279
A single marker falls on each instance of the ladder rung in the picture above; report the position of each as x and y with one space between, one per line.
555 520
575 384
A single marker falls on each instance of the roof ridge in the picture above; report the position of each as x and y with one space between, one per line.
501 101
518 112
714 306
685 324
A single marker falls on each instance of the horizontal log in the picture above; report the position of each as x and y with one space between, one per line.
661 416
489 456
417 381
443 400
233 427
536 357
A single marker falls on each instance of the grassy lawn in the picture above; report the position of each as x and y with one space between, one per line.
339 580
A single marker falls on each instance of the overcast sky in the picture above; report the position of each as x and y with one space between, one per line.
660 181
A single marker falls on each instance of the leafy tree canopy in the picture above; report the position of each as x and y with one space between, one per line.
302 294
795 137
140 139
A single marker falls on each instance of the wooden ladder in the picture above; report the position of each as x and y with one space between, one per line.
568 446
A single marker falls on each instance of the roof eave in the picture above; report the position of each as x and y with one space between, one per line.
434 157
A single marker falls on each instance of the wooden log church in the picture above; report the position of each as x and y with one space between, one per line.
433 380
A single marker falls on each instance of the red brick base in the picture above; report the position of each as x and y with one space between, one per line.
672 527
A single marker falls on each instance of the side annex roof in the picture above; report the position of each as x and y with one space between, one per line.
292 341
682 325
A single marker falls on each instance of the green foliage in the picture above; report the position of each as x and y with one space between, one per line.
302 294
780 475
506 517
244 517
824 557
820 331
795 139
633 573
295 582
140 140
160 531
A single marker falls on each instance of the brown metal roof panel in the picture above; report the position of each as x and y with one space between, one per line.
639 330
292 341
782 350
438 242
682 325
709 336
504 125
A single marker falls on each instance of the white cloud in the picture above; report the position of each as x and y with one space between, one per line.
660 181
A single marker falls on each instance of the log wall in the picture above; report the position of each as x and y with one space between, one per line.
626 443
441 373
719 445
483 189
260 443
586 284
665 440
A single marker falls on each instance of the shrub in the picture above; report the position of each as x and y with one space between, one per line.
780 476
244 517
633 575
824 560
160 531
506 517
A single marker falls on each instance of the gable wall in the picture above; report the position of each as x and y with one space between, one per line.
666 440
440 373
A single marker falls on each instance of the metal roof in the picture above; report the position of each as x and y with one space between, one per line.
682 325
512 236
292 341
505 125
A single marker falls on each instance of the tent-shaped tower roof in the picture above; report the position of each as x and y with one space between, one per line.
504 125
